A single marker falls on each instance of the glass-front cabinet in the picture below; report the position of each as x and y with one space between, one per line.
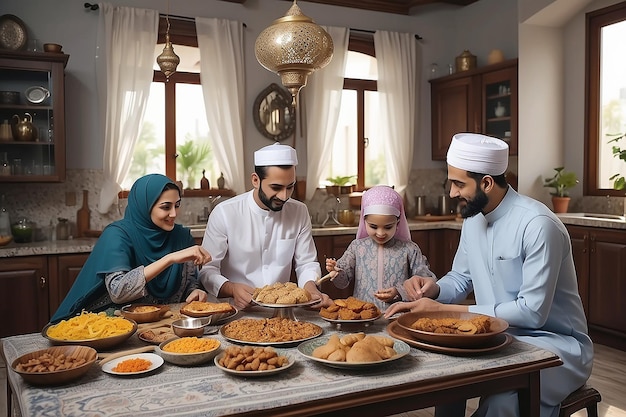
32 116
500 105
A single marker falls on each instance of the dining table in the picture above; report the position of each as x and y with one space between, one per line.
421 378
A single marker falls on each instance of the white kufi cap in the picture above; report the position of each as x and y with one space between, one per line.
478 153
275 155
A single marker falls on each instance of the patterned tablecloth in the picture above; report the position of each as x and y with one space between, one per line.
207 391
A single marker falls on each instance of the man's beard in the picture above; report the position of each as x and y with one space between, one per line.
476 205
269 202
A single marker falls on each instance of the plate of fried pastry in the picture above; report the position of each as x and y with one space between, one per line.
350 310
451 328
218 312
275 331
354 350
282 295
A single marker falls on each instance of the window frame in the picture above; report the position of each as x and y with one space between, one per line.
595 21
363 43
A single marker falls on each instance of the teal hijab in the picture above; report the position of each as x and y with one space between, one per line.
128 243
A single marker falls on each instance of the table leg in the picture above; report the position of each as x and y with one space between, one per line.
530 398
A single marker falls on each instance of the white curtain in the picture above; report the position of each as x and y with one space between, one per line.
322 103
124 61
396 54
222 72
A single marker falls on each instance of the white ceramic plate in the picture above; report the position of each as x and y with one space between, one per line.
280 352
156 360
307 348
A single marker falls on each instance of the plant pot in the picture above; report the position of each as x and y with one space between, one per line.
560 204
333 189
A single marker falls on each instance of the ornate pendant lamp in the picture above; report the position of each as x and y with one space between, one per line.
168 60
294 47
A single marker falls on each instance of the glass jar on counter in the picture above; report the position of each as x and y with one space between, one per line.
63 229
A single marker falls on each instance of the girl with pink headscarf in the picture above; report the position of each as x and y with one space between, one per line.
382 256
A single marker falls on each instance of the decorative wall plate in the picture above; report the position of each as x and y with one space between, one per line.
13 34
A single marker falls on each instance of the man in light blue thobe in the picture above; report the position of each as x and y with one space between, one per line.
516 255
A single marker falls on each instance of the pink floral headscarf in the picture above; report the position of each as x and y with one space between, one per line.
383 199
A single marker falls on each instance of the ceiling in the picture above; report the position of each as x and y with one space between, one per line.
405 7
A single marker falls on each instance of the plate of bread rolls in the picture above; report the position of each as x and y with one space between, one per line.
354 350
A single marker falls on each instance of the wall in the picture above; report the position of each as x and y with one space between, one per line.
446 31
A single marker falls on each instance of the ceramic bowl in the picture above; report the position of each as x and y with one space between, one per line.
187 359
52 47
57 377
190 327
99 344
144 313
497 326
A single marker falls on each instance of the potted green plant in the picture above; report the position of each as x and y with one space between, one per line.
561 182
619 182
340 184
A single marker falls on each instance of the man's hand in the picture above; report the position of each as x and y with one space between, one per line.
241 294
418 287
423 305
197 295
324 300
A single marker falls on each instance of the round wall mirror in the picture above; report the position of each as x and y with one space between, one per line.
274 115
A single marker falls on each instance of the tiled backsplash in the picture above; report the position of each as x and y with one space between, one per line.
44 203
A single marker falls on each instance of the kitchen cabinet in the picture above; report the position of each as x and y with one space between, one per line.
600 260
481 100
32 287
442 247
333 247
37 110
23 294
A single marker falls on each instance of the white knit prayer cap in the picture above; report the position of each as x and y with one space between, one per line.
478 153
275 155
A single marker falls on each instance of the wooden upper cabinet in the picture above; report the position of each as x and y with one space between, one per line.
481 100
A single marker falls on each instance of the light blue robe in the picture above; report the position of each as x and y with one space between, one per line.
518 260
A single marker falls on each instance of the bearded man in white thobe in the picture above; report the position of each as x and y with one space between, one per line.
257 237
516 255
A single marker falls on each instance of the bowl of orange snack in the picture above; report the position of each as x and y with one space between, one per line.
55 365
189 351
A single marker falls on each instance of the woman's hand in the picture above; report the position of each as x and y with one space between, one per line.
197 295
196 253
386 295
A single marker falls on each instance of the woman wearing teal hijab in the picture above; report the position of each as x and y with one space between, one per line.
145 257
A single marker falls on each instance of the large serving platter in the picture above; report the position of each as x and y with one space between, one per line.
305 304
500 341
307 348
348 322
247 374
216 318
285 343
451 340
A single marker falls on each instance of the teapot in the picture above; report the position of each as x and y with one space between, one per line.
24 129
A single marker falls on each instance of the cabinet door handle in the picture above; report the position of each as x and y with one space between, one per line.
42 282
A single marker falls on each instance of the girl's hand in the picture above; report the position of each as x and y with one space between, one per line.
331 264
387 295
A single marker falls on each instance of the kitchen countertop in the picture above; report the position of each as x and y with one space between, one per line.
85 245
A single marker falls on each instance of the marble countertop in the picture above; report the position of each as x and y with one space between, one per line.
85 245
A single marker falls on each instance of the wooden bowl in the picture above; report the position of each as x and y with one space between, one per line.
57 377
99 344
497 326
144 313
52 47
5 240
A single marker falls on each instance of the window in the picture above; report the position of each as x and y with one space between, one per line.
355 149
175 137
606 97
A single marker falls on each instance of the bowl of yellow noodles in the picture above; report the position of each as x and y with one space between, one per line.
96 330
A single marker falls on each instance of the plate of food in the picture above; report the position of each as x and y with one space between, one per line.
253 361
144 313
96 330
156 336
452 329
500 341
275 331
354 350
55 365
217 311
139 363
350 310
282 294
